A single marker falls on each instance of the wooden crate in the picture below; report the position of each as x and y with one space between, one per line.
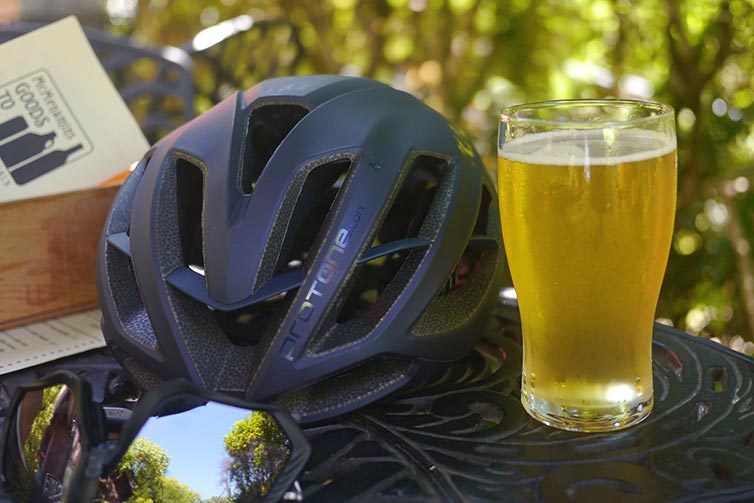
48 250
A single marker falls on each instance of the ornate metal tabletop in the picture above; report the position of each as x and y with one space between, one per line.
465 437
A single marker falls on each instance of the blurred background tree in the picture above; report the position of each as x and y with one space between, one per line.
470 58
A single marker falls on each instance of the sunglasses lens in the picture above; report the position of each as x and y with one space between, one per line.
47 441
212 451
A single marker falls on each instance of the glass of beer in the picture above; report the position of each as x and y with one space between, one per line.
587 201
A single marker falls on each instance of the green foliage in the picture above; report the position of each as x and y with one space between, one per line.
258 450
469 58
258 427
143 467
219 499
41 423
175 492
145 464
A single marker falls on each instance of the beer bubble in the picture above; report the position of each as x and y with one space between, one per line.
639 388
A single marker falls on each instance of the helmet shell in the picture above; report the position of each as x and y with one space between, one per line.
317 241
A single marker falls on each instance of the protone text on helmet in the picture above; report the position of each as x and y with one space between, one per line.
325 274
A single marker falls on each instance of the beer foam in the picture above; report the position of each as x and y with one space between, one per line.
601 146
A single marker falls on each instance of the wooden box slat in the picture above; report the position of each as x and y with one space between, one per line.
48 250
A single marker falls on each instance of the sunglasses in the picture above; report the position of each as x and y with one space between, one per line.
180 443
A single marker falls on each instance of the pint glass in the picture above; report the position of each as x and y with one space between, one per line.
587 200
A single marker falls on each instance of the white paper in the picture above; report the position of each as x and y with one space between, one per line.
63 125
49 340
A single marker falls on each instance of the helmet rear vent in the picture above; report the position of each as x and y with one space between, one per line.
268 126
190 198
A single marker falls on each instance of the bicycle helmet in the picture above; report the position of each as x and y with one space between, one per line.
317 241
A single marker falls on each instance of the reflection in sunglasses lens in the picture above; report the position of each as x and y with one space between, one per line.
47 431
226 453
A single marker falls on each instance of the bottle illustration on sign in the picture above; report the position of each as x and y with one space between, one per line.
27 155
24 147
42 165
11 127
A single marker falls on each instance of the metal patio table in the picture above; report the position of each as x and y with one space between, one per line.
465 437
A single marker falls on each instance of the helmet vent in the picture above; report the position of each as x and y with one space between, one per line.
411 206
122 287
372 284
246 326
467 286
268 126
481 247
457 303
404 220
190 198
376 284
318 193
462 272
127 300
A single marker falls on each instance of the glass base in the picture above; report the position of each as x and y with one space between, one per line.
586 419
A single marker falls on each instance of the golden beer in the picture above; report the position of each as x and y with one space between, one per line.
587 220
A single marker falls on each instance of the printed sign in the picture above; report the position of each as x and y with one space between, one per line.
63 126
42 134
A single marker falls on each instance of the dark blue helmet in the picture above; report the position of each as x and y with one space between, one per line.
318 241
